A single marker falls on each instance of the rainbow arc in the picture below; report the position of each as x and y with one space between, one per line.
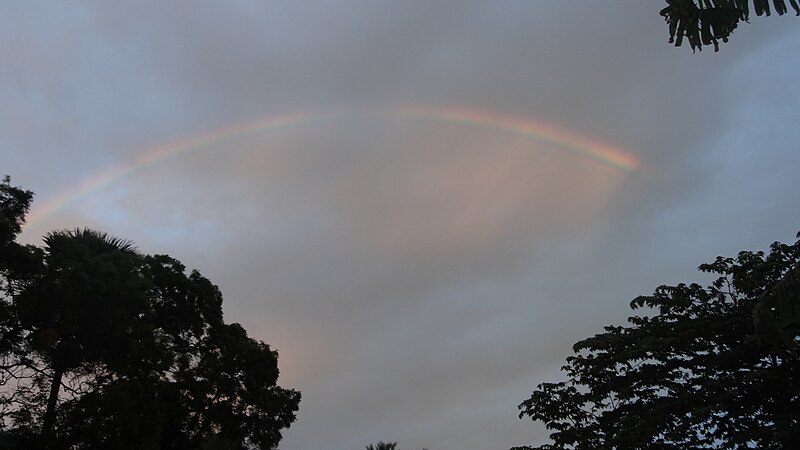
524 127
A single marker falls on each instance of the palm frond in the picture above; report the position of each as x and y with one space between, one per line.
706 22
96 240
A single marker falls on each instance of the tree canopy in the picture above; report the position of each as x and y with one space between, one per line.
706 22
706 367
104 347
382 446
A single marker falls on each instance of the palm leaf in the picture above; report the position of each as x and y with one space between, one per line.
96 240
706 22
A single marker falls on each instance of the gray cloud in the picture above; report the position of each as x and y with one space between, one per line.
419 278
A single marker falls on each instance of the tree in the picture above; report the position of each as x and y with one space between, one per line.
709 367
104 347
382 446
706 22
14 204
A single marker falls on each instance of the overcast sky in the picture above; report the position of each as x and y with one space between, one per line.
373 186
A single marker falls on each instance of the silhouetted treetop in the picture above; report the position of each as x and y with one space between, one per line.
382 446
703 367
706 22
104 347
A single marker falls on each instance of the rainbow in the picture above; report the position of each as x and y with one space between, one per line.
500 123
529 129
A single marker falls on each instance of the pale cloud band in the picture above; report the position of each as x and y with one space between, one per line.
537 131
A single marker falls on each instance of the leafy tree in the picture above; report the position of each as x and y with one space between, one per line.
104 347
14 204
16 258
708 367
382 446
706 22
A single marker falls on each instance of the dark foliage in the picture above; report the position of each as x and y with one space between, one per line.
103 347
383 446
14 204
14 258
706 22
710 367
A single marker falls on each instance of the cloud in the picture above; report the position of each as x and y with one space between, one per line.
376 260
417 277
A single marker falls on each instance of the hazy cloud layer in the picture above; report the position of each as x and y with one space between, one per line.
418 277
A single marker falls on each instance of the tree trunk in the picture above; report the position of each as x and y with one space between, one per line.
52 401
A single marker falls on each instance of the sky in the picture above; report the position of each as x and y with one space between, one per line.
421 205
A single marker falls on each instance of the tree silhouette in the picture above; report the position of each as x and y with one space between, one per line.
14 258
711 367
382 446
14 204
86 276
706 22
104 347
